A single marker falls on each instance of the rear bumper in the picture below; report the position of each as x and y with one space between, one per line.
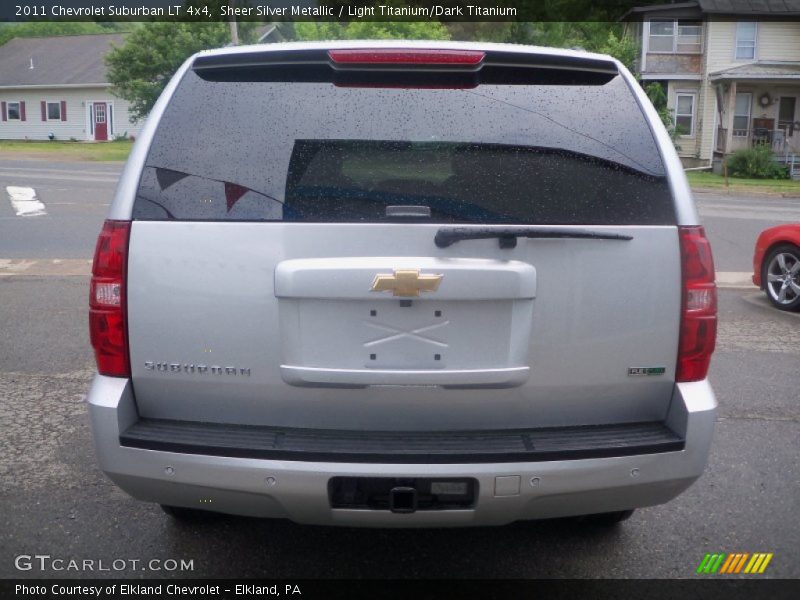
298 490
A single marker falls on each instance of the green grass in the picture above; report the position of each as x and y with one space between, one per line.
704 179
59 150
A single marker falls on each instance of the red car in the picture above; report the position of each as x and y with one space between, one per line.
776 265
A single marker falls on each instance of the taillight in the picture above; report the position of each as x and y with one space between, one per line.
108 329
410 56
699 306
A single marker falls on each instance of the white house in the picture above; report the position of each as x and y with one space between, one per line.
731 70
57 86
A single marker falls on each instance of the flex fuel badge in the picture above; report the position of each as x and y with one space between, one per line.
638 371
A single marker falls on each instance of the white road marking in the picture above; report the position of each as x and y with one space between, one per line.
760 212
66 176
25 202
111 171
45 267
10 266
750 215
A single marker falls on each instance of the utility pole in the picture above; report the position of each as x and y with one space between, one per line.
234 26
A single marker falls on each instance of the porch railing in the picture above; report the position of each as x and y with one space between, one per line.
750 138
792 163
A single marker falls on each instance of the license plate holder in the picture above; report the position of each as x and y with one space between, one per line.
402 494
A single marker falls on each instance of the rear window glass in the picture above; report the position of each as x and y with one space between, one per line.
317 152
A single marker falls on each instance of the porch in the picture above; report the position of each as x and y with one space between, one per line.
774 138
740 139
758 104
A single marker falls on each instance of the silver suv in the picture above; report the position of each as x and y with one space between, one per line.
414 284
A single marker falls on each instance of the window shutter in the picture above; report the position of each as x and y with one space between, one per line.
22 110
43 104
63 110
3 110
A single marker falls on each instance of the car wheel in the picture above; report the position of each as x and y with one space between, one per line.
780 273
606 519
182 513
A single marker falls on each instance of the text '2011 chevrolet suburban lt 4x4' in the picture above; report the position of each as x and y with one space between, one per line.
414 284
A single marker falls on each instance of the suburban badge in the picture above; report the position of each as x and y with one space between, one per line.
192 368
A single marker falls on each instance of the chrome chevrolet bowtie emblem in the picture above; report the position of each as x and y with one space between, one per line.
408 283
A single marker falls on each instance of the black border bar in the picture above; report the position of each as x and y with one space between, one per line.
696 588
331 10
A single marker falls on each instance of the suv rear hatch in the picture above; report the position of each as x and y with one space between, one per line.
403 240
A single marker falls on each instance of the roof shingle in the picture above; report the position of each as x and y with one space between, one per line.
752 8
760 70
755 7
63 60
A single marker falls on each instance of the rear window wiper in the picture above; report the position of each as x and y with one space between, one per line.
507 236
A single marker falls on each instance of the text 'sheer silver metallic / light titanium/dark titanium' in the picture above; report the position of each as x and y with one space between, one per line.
403 284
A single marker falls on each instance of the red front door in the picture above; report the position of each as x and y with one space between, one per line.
100 121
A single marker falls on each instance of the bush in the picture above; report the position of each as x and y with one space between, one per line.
756 163
658 96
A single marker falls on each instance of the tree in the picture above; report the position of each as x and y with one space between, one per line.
371 30
319 30
481 31
595 36
53 28
621 47
407 30
655 91
141 68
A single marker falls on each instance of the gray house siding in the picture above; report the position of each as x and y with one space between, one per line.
68 72
74 118
713 77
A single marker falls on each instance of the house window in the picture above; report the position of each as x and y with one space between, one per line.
53 111
690 37
677 37
684 114
745 41
786 110
662 34
14 111
741 114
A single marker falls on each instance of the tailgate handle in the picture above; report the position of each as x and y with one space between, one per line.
507 236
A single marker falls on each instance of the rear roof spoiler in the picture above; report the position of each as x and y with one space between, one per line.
321 65
320 56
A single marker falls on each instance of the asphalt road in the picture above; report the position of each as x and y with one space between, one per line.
54 500
76 196
734 222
